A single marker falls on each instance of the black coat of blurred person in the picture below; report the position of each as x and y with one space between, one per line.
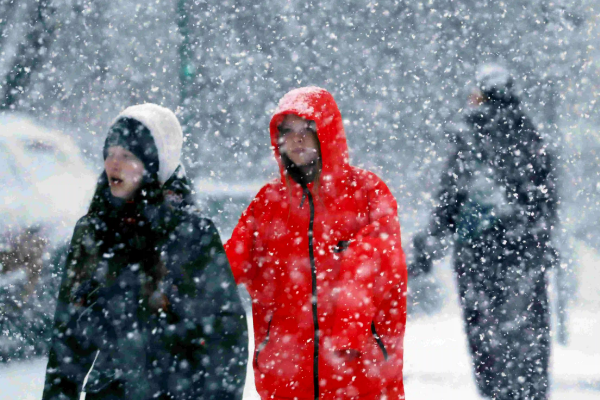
148 307
497 206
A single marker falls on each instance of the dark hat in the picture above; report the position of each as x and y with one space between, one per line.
134 136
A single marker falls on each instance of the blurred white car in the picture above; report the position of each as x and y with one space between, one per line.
43 179
45 186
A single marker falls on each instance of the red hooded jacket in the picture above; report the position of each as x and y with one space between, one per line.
341 288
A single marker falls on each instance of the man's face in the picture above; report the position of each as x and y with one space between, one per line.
476 98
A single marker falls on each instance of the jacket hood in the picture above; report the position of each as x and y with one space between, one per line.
166 132
316 104
496 82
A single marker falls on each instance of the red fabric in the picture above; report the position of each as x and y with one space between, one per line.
268 252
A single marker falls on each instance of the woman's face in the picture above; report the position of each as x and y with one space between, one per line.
298 140
125 172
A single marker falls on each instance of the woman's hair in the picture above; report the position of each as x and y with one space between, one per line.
109 212
316 180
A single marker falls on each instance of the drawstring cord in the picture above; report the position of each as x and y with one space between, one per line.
87 376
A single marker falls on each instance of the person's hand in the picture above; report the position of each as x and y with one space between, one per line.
158 301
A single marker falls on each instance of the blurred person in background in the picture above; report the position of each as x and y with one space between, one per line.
498 206
319 251
148 307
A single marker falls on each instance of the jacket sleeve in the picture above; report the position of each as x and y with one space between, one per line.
216 310
372 284
536 185
240 246
70 357
430 244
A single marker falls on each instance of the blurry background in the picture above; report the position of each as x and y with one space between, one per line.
400 71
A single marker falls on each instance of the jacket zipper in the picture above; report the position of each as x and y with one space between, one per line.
262 345
313 272
379 341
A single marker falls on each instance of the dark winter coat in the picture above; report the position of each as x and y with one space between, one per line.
149 307
498 204
325 269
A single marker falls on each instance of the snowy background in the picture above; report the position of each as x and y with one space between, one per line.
400 70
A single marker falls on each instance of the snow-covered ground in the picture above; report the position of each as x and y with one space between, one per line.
437 364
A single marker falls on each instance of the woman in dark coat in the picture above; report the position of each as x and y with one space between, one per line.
498 203
148 307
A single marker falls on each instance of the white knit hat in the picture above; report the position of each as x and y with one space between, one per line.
166 132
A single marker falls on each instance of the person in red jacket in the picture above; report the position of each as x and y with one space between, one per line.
319 251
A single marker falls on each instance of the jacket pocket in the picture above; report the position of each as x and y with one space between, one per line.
379 341
261 346
341 246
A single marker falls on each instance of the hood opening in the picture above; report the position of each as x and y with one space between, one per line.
315 104
166 132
